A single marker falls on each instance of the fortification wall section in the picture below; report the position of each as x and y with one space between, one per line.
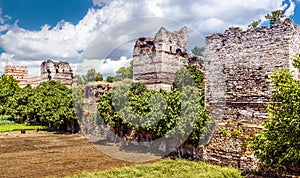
20 73
238 69
59 71
156 60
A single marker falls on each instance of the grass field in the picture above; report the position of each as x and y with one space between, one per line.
168 168
14 127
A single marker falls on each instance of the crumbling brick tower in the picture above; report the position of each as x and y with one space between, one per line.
155 60
238 67
20 73
59 71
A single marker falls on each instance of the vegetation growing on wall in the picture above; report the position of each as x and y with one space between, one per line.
279 144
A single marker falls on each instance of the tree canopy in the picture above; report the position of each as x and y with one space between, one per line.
159 113
198 50
275 16
125 72
51 103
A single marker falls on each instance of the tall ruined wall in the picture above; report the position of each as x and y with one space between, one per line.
59 71
238 67
155 60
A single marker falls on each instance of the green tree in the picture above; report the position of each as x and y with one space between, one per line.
189 76
123 73
52 103
92 75
18 105
160 113
279 144
8 87
79 80
183 78
99 77
110 79
275 16
198 50
254 24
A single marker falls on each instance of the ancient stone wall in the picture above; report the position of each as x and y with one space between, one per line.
238 67
155 60
20 73
92 92
59 71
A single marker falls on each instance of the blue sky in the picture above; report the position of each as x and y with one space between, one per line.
35 30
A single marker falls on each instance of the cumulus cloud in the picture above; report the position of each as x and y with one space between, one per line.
290 10
106 67
116 24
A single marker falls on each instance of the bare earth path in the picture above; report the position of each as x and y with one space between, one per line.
41 154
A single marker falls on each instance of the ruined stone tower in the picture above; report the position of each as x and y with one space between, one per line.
238 67
155 60
59 71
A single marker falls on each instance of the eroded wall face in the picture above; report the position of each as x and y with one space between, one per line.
59 71
238 67
156 60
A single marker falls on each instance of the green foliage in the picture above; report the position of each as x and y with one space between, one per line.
92 76
198 50
110 79
189 76
52 103
279 143
124 73
183 78
18 105
168 168
224 131
14 127
275 16
296 61
254 24
159 112
79 80
8 87
6 119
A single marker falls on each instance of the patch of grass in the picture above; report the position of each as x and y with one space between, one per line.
14 127
167 168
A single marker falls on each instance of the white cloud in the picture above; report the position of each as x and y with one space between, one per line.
290 10
66 41
105 67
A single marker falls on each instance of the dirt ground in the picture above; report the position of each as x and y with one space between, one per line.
45 154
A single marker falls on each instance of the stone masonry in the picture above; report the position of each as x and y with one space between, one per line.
155 60
238 67
50 70
20 73
59 71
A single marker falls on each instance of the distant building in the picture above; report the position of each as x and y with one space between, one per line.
50 70
59 71
20 73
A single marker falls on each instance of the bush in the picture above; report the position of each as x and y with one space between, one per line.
278 145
